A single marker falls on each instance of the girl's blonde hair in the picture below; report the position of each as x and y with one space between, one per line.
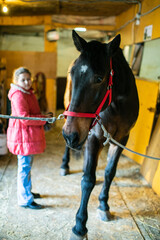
19 71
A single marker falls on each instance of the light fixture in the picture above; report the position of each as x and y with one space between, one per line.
80 29
52 35
137 18
4 7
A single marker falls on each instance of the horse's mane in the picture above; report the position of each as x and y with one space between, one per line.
123 76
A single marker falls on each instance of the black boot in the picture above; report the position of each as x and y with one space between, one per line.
33 205
36 195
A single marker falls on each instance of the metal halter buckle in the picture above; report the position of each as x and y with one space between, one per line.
111 72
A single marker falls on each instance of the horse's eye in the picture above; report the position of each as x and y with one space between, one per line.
99 79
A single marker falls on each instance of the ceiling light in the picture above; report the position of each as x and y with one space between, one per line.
80 29
4 7
52 35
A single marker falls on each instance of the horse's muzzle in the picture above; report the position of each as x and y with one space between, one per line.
72 140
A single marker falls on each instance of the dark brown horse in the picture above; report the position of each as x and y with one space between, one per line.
91 80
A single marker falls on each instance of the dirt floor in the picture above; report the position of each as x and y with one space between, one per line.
132 201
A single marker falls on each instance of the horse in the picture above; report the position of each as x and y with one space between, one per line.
40 90
104 94
64 169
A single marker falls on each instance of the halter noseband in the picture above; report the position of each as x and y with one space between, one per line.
96 114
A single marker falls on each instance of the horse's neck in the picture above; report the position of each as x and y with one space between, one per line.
123 77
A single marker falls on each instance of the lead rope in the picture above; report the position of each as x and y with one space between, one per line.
109 138
49 120
61 116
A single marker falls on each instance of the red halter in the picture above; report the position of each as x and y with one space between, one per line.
96 114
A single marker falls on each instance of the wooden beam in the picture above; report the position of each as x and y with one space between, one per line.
23 21
47 20
109 28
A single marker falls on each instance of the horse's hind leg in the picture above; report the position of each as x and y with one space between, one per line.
114 153
65 162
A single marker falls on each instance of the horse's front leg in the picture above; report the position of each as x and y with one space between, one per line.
65 162
114 153
88 181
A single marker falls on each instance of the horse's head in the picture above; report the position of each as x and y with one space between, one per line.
90 76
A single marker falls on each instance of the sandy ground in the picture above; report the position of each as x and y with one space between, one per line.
132 201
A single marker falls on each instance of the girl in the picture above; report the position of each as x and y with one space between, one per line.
25 137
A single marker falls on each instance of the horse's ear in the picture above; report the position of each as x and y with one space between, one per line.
79 42
114 44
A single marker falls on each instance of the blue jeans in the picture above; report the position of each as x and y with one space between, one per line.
24 184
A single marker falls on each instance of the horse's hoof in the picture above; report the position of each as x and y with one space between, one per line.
64 171
77 237
104 215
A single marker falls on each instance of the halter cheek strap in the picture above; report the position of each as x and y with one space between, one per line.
96 114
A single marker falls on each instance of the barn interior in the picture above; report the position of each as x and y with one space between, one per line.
38 34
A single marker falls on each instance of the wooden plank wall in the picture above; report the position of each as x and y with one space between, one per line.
37 62
151 168
148 92
51 86
133 33
141 132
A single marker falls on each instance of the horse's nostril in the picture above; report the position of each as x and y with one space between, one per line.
72 140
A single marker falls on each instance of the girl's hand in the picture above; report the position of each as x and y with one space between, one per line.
48 126
49 115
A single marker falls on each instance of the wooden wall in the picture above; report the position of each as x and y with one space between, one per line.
51 88
46 61
37 62
151 168
140 135
133 33
140 139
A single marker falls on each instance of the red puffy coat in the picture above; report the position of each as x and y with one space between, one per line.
25 137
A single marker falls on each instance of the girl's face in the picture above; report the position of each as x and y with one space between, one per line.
24 81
